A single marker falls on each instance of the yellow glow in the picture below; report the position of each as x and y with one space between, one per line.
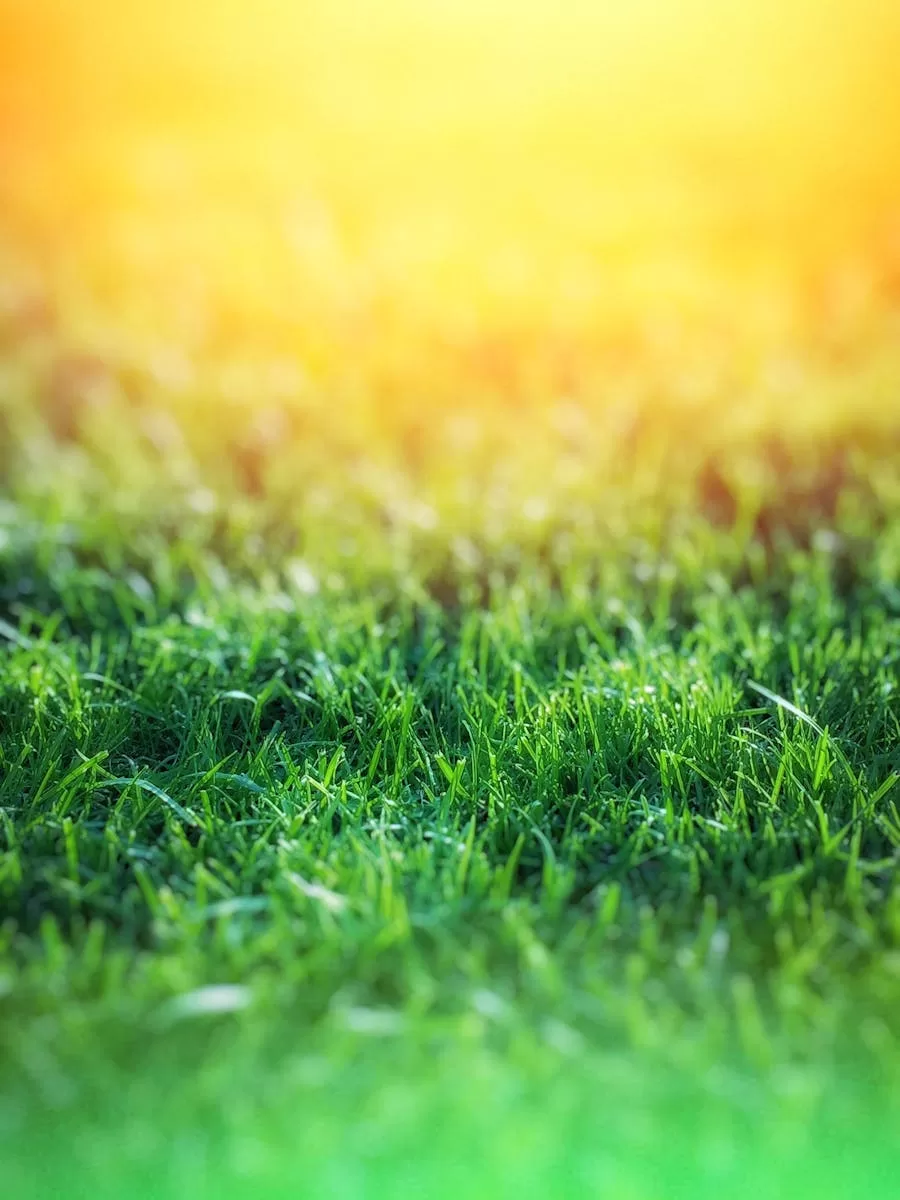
395 175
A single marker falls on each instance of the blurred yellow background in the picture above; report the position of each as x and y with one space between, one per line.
429 199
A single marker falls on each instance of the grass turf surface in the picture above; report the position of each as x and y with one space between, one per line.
580 875
515 821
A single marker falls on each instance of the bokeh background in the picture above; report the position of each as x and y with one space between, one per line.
442 230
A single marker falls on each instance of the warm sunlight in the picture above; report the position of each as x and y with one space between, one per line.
515 117
425 173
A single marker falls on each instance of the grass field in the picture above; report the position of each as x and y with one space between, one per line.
450 603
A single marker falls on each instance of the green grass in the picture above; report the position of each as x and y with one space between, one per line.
472 881
495 799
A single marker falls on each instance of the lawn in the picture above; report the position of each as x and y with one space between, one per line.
449 638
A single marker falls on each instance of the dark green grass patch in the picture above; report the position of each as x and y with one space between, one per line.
320 828
560 824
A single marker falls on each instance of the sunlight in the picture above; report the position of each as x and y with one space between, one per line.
454 171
